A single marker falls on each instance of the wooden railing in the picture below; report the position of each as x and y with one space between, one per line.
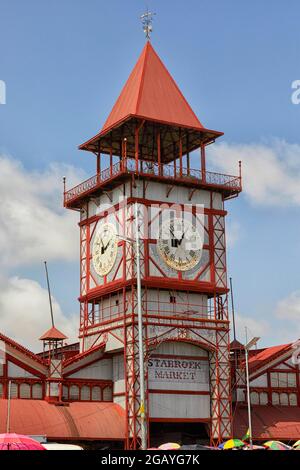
168 171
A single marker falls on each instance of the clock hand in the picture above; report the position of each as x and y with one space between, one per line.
106 246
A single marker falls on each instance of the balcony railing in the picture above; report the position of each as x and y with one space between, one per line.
230 184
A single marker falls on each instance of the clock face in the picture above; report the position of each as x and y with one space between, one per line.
179 244
105 248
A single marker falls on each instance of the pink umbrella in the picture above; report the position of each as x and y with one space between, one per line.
18 442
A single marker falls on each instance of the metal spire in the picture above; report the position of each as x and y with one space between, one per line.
147 19
49 294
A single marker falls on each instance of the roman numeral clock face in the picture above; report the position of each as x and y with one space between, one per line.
179 244
105 248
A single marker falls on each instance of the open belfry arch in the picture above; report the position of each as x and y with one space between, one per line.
151 153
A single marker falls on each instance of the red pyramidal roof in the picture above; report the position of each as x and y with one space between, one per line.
53 333
151 93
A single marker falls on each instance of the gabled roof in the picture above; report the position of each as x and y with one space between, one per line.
83 355
21 348
53 333
266 355
150 92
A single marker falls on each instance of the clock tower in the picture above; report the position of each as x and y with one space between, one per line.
151 179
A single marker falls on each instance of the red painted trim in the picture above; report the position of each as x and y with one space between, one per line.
25 366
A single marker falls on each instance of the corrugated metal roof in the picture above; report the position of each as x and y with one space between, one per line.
151 92
78 421
266 355
276 422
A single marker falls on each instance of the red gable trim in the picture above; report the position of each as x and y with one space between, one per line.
20 348
82 355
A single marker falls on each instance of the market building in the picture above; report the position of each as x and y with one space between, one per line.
152 241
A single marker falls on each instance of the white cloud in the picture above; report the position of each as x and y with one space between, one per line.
233 232
270 171
254 326
33 224
289 307
25 313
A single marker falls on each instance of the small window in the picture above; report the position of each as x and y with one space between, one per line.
275 398
37 391
25 391
13 390
74 392
96 394
85 393
284 399
293 399
254 398
107 394
65 393
263 398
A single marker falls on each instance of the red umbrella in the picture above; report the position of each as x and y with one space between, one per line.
18 442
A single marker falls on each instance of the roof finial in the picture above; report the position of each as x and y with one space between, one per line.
147 19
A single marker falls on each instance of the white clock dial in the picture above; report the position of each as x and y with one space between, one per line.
105 248
179 244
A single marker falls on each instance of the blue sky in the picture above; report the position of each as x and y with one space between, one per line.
64 63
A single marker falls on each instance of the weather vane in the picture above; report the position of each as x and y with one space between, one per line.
147 19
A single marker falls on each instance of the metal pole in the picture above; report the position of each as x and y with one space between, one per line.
232 309
49 294
248 394
8 408
140 332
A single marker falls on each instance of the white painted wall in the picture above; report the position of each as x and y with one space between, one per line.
99 370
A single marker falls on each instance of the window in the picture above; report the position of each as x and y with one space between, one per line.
74 392
263 398
1 390
284 399
96 394
293 399
283 379
254 398
65 393
85 393
107 394
172 299
37 391
25 391
13 390
275 398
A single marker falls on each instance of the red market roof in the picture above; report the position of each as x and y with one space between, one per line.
77 421
266 355
53 333
151 92
275 422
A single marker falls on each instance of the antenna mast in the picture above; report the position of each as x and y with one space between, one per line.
49 294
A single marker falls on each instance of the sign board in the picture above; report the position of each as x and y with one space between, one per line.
163 370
